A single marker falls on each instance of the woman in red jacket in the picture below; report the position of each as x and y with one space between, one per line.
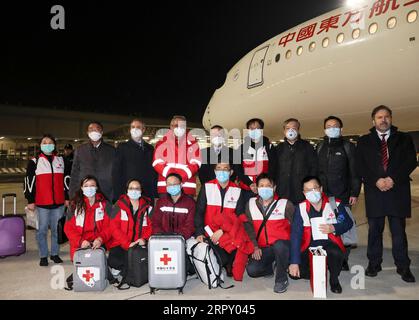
130 225
87 225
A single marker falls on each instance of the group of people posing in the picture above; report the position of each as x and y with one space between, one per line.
259 209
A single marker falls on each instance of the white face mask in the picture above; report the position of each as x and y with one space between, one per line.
218 141
179 132
332 132
313 196
136 133
95 136
292 134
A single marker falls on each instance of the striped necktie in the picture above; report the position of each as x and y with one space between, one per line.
384 152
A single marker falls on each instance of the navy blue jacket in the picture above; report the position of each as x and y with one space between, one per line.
344 224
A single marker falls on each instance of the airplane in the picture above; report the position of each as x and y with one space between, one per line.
342 63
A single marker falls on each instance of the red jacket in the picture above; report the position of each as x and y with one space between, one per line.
44 181
235 237
88 225
213 202
169 217
255 161
122 223
276 228
329 216
183 156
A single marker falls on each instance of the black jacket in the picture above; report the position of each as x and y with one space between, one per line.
210 158
337 168
133 161
290 165
402 161
89 160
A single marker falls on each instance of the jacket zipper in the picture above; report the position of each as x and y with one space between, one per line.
52 177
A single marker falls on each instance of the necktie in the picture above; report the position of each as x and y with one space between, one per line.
384 152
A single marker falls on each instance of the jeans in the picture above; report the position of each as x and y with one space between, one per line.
48 217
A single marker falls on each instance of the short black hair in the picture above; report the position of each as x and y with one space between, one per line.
253 120
217 127
264 176
68 146
174 175
309 178
292 120
96 122
379 108
50 136
218 162
333 118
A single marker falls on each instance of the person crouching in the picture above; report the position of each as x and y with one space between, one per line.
130 226
303 236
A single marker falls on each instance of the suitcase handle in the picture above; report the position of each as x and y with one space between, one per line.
7 195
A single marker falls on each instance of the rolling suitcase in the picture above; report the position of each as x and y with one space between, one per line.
12 231
166 263
90 270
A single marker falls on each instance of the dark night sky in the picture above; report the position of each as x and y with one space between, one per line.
154 59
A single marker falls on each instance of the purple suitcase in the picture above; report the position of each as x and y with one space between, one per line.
12 232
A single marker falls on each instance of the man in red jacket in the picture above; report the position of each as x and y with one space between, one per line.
220 207
175 212
178 152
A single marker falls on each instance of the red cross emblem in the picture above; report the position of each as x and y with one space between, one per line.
331 215
165 259
88 275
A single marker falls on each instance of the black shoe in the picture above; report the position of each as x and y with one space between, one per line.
43 262
229 270
406 274
372 271
345 266
56 259
335 287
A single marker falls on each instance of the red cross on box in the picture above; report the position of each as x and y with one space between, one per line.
88 275
165 259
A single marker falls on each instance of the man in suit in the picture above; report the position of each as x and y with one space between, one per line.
217 152
385 159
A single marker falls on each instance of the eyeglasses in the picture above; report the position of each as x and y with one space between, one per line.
171 185
314 189
137 189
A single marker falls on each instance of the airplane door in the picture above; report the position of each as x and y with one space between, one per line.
255 78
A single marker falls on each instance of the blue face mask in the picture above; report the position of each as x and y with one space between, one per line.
332 132
222 176
47 148
134 194
255 134
174 190
313 196
89 191
266 193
